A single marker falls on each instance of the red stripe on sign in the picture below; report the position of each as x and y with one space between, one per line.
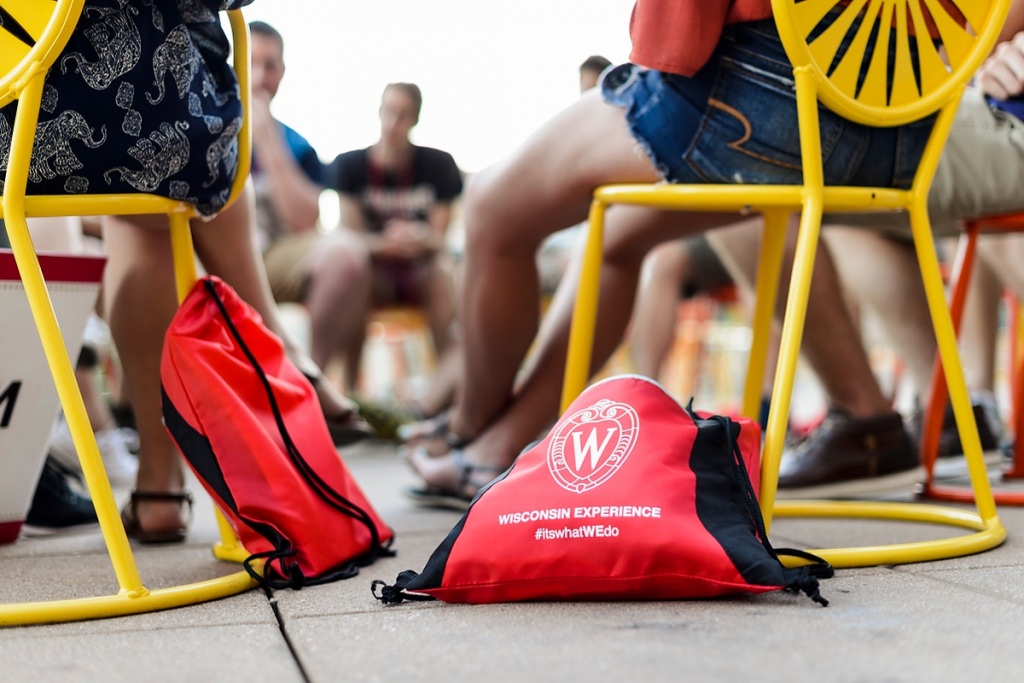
9 531
57 267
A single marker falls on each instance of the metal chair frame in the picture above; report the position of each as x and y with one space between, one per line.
908 89
959 281
42 29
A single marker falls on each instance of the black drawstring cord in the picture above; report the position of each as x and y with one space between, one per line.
393 595
806 582
319 486
807 576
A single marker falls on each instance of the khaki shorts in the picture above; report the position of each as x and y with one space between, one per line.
981 173
287 264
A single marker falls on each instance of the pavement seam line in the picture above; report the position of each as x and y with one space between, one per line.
276 609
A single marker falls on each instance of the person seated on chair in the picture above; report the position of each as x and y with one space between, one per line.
172 133
981 171
329 273
684 80
397 199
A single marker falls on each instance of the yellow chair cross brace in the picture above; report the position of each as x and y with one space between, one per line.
23 66
907 90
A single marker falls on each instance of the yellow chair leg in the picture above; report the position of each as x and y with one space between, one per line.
952 368
773 242
789 351
73 405
584 316
229 548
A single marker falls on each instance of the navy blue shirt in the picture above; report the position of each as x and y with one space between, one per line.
431 178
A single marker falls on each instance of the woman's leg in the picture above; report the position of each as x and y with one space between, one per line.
631 233
140 301
509 209
654 320
227 247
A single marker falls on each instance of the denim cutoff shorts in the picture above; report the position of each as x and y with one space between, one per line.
735 121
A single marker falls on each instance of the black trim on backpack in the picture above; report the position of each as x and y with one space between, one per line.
718 435
197 450
433 572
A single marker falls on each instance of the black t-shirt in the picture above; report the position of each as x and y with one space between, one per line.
431 178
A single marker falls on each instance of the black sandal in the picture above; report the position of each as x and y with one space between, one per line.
348 426
427 428
130 519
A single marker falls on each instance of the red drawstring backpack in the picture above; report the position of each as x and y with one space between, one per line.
250 426
629 497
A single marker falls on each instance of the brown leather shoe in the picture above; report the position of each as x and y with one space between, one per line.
848 457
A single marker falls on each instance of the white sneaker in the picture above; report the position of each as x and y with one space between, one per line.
97 334
120 465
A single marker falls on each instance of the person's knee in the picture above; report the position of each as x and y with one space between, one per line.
341 260
488 229
668 263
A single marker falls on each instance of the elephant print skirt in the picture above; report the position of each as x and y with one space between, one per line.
141 100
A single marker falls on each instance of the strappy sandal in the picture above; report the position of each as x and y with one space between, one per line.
130 518
428 428
346 427
462 495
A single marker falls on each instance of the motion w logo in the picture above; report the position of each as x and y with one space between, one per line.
601 437
582 448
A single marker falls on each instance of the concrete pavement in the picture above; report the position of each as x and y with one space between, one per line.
955 620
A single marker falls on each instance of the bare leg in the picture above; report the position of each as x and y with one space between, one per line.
980 327
437 282
140 301
440 393
631 233
338 298
654 322
227 247
509 210
872 269
831 341
1004 254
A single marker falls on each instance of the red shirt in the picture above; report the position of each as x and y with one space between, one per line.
678 36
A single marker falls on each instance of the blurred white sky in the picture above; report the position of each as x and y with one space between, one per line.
491 71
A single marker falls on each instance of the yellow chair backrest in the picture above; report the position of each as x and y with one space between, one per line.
918 81
32 34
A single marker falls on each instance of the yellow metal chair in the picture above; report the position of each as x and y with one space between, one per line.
890 94
28 46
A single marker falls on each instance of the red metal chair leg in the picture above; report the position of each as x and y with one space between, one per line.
932 428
